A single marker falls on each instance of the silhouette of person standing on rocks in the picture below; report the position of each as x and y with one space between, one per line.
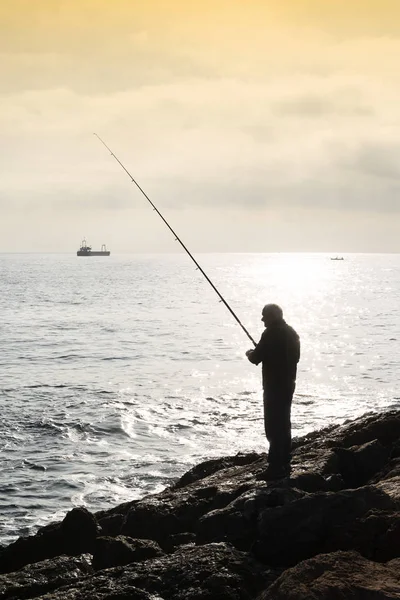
279 352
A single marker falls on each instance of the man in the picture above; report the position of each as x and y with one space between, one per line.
279 352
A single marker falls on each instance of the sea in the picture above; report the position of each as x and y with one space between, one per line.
120 373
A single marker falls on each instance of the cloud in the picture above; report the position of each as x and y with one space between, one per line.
207 142
358 19
316 106
377 160
220 111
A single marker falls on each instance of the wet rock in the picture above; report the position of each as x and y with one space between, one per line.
44 577
334 483
391 486
46 543
121 550
215 571
387 542
111 524
359 463
309 482
237 522
384 427
209 467
78 531
222 532
178 510
180 539
316 524
73 536
152 521
315 458
337 576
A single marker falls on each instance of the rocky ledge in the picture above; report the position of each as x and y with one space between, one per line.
330 531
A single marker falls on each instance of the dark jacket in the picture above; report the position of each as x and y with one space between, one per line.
279 352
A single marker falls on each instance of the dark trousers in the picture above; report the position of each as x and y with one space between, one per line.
278 428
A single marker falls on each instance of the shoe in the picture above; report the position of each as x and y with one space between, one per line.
275 473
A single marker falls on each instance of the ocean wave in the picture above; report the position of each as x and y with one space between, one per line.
116 358
34 466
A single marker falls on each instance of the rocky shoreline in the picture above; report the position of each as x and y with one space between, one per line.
330 531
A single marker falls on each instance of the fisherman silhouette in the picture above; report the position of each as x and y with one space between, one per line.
279 352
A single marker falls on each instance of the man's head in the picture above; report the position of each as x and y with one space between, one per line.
271 313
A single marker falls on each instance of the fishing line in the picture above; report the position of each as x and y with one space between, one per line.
177 238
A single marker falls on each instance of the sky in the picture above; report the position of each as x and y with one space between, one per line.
253 126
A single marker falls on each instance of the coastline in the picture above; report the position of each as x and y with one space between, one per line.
221 531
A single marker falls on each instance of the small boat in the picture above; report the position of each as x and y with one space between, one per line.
86 250
337 258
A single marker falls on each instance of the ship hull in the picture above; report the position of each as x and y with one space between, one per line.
93 253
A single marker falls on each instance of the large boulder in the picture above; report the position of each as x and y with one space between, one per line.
75 535
43 577
121 550
337 576
358 464
237 522
215 571
318 523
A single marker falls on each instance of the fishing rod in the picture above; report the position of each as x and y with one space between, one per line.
177 238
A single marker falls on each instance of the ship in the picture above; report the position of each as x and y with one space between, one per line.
86 250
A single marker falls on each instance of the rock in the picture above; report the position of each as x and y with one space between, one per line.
221 532
337 576
46 543
316 524
44 577
152 521
111 524
79 530
121 550
384 427
215 571
334 483
178 510
237 522
318 450
181 539
74 535
309 482
209 467
359 463
391 486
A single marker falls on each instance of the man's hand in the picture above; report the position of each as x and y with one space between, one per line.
249 352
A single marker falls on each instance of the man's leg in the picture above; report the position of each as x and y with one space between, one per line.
272 425
277 409
285 428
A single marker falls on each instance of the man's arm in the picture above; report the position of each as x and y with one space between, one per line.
258 354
